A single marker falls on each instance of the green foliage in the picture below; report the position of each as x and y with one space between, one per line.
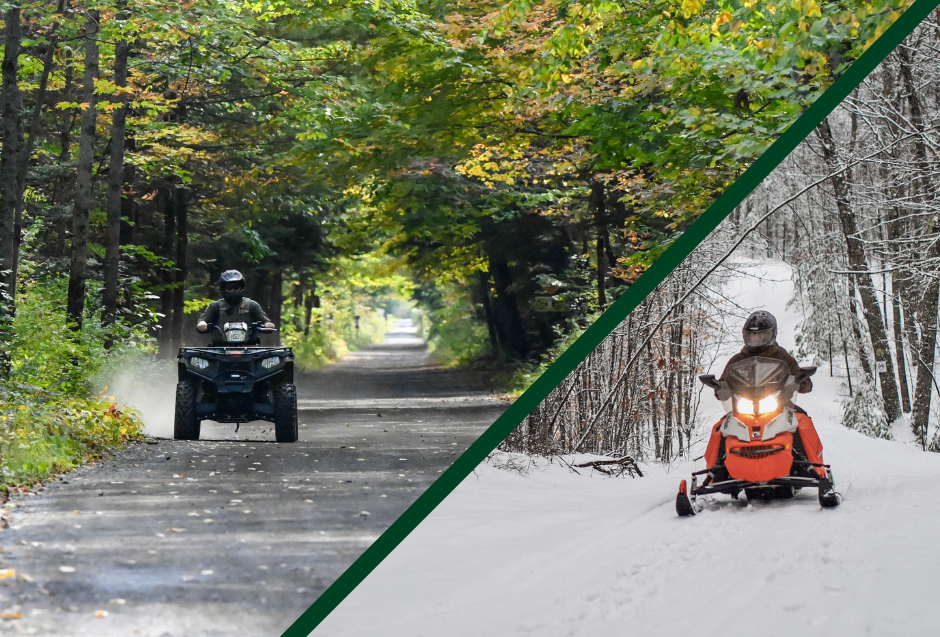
52 415
455 334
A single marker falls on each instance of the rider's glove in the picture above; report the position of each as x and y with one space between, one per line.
269 325
202 327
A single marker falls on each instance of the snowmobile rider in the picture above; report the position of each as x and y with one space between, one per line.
760 339
233 307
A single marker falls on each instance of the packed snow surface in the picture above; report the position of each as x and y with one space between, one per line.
553 552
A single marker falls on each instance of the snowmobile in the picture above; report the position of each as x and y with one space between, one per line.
765 446
235 380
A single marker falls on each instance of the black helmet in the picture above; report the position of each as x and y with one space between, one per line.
760 330
228 277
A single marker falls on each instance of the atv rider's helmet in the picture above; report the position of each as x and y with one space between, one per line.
760 331
232 286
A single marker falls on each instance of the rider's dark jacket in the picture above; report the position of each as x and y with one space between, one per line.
771 351
222 312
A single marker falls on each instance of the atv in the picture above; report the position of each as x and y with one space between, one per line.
235 380
765 446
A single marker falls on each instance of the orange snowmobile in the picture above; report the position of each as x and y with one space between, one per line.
765 445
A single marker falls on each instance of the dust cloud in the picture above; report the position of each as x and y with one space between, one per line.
148 387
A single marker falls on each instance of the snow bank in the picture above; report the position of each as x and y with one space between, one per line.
556 553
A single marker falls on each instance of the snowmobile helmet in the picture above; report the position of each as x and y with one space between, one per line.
760 330
232 286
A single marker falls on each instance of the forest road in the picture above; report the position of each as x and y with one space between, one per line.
234 534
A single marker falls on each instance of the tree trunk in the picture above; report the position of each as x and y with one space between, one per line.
65 142
115 203
488 312
858 262
10 110
86 155
899 342
32 132
182 269
925 366
165 335
312 301
509 322
299 290
928 307
598 198
277 301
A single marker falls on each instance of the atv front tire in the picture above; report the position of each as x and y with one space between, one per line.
185 422
285 412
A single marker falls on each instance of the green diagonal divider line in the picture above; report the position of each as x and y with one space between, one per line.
610 319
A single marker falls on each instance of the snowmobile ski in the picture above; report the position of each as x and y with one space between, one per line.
683 504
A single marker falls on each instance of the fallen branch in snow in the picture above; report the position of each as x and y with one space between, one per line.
616 467
510 462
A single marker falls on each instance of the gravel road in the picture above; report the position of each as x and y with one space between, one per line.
235 534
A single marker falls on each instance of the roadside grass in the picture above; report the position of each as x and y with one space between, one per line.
53 417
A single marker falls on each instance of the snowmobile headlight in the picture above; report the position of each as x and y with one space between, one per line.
198 363
768 405
268 363
745 406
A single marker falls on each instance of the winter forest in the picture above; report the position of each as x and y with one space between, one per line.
854 214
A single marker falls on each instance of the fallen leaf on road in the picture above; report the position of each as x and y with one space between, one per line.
364 514
188 578
25 578
9 615
101 613
308 500
67 569
206 572
175 530
7 573
208 520
117 600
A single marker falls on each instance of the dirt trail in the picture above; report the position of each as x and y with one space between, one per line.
235 534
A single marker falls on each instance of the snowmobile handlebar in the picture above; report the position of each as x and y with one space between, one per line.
805 373
709 380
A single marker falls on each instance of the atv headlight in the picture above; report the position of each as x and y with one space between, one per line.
768 405
268 363
745 406
198 363
236 336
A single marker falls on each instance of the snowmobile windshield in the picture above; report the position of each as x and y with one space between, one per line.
757 377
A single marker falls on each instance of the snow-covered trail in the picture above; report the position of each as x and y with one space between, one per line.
554 553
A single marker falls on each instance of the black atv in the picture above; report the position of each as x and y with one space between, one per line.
236 381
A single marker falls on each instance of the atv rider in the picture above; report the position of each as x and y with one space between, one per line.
760 339
233 307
